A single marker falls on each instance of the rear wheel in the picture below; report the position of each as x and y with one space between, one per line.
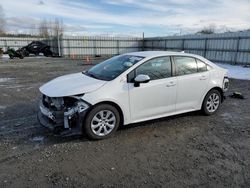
102 121
211 102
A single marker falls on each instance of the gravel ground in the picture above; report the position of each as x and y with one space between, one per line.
189 150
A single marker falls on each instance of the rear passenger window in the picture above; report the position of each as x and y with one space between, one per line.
185 65
156 68
202 67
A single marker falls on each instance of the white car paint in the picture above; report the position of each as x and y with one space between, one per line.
152 99
72 84
196 85
158 98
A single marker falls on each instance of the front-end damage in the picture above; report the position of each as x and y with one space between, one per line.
63 115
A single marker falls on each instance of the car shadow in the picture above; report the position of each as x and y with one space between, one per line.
54 139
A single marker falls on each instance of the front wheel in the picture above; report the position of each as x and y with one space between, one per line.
211 102
102 121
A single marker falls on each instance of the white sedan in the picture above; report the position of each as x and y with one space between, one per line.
130 88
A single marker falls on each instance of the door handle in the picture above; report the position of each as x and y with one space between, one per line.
171 84
203 77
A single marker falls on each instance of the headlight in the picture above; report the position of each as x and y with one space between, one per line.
82 106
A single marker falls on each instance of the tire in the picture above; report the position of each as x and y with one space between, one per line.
102 122
211 102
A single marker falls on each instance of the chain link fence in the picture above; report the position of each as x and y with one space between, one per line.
233 48
78 47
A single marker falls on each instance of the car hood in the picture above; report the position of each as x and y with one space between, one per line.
72 84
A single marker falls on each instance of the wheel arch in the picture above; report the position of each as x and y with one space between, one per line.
214 88
114 105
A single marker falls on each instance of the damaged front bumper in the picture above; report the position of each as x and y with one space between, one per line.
61 118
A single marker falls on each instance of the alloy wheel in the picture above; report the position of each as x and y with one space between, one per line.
103 122
213 102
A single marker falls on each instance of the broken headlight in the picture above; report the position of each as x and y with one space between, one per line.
73 109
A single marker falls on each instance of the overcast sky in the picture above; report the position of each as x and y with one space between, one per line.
129 17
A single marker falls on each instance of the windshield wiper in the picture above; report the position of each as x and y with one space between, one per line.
90 74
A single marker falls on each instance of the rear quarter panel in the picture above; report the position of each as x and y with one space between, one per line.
216 80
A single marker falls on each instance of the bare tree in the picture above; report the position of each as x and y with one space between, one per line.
44 29
57 27
33 29
208 30
2 21
51 28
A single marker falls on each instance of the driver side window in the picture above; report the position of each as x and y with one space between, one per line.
156 68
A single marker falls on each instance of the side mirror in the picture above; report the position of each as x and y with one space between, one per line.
141 78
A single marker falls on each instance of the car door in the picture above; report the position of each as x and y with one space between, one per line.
192 81
157 97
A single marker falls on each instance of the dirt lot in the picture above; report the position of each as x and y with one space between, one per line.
189 150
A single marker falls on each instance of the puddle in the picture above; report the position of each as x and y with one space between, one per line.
4 57
226 115
3 107
6 79
14 87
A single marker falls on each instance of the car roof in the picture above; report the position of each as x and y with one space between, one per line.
160 53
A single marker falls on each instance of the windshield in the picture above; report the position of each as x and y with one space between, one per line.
111 68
